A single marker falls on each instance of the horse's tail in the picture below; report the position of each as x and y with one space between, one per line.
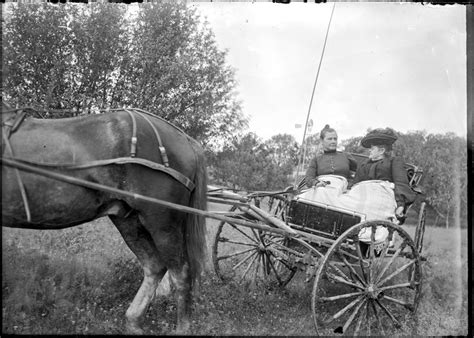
195 229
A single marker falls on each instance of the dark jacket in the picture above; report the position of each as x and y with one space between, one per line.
387 169
331 163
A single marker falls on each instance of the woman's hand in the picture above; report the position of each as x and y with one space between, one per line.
399 212
320 184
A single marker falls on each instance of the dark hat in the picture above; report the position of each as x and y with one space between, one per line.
379 136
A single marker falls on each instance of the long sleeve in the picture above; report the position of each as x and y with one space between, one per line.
361 173
311 172
352 162
403 193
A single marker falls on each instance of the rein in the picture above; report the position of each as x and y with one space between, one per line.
10 127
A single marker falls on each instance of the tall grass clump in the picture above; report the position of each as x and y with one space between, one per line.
71 281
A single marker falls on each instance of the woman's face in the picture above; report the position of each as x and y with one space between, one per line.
376 152
330 141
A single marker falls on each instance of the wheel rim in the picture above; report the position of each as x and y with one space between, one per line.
363 289
249 256
420 229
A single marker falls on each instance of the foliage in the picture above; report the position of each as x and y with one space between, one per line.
251 164
352 145
283 149
163 59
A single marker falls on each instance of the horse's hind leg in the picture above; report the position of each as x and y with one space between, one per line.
182 281
141 243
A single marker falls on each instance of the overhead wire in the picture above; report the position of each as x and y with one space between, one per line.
301 160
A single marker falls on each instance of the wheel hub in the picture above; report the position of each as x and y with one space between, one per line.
373 292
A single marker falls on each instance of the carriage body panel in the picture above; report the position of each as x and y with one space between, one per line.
321 219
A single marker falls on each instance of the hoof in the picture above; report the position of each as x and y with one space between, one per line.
133 329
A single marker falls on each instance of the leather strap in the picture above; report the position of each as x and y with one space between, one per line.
119 160
133 145
162 149
8 148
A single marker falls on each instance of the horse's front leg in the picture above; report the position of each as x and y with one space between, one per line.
142 244
183 283
142 300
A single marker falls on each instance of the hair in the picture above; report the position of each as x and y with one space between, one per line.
325 130
388 148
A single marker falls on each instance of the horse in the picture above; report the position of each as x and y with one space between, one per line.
158 160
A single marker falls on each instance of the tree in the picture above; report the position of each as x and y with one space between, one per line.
178 72
36 54
352 145
283 149
250 164
101 40
163 59
444 160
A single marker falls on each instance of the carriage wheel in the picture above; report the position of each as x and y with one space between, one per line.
250 256
367 288
420 228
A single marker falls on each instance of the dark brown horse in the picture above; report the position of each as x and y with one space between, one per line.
163 239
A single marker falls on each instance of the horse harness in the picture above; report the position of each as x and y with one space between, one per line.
12 124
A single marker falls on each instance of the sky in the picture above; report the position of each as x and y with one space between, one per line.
399 65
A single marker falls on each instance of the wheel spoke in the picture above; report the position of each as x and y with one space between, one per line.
347 307
352 316
264 266
256 235
248 267
281 269
255 240
398 286
407 305
353 270
361 259
396 272
235 254
226 241
392 317
359 320
380 259
283 247
346 295
349 254
379 322
244 260
282 261
343 281
369 322
392 259
274 270
340 272
373 229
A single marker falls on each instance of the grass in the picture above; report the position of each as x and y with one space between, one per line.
81 281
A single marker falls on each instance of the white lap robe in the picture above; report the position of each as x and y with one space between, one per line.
375 199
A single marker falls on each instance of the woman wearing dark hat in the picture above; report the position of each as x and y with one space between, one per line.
382 166
331 161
